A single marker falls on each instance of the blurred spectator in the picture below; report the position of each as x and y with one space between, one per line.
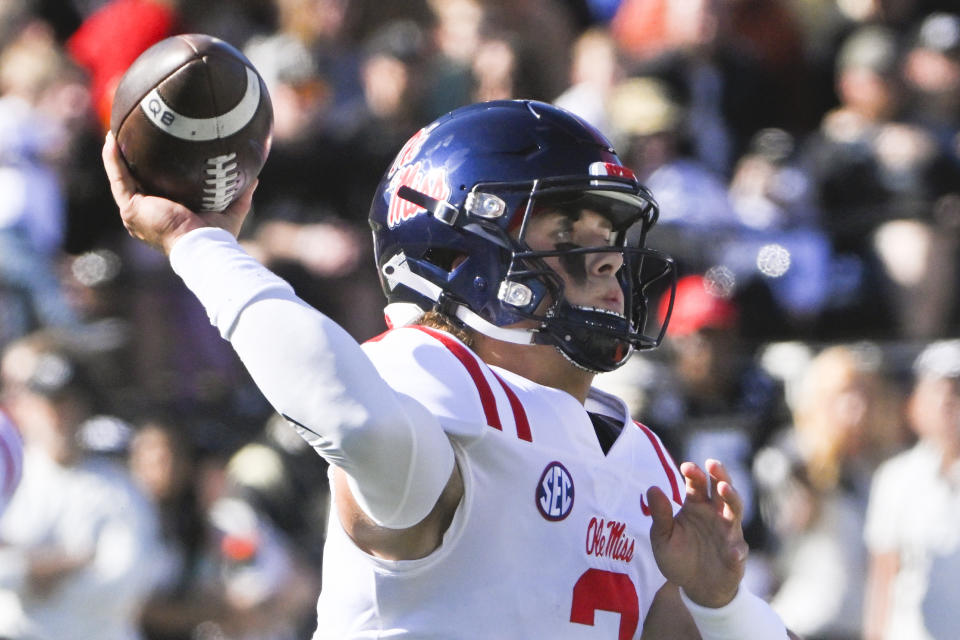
913 521
455 38
817 564
813 482
919 259
277 499
229 571
932 76
651 128
542 33
781 239
391 74
279 474
847 418
726 92
510 61
164 466
33 142
924 287
262 594
290 224
320 29
762 230
298 92
768 190
823 26
594 70
80 542
497 70
873 170
310 214
11 460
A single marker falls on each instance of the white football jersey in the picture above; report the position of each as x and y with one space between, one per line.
551 538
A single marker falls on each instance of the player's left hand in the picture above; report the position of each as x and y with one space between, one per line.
701 549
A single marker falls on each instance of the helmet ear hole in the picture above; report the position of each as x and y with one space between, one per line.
444 258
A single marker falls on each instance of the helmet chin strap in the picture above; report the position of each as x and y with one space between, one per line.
397 272
477 323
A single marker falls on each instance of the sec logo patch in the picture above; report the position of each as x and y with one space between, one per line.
555 492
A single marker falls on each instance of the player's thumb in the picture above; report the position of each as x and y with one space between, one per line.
662 514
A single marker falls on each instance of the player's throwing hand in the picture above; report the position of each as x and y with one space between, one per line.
158 221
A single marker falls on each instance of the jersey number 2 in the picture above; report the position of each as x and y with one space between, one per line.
606 591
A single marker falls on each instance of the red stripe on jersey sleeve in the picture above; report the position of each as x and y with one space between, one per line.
519 414
668 467
483 387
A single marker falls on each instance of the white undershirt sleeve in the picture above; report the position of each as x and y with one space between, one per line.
393 450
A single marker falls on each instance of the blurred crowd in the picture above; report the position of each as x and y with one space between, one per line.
806 158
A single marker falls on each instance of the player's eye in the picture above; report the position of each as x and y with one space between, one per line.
564 231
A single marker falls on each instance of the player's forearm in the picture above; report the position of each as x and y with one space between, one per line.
315 374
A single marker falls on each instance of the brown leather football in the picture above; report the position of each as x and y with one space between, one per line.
193 120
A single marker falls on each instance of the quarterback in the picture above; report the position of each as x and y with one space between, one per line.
481 487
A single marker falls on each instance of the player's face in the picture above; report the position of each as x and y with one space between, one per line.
590 280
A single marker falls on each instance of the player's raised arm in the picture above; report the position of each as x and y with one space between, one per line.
190 130
395 454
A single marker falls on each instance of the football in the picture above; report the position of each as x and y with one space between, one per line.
193 121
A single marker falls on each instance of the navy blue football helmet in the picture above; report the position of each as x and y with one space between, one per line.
449 219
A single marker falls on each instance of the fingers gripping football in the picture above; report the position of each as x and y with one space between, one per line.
157 221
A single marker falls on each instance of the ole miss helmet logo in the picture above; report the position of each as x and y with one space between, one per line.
430 182
407 171
555 492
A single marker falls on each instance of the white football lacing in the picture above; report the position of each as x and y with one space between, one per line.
224 182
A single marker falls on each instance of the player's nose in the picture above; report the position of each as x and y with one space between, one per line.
604 263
